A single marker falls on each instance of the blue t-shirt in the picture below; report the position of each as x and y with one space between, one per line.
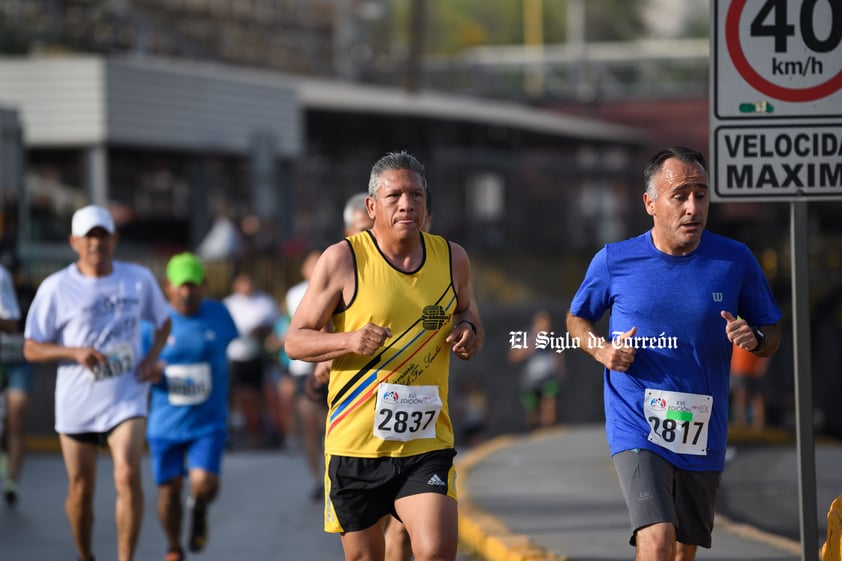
191 400
676 303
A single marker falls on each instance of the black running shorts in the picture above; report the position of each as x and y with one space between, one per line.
99 439
246 373
363 490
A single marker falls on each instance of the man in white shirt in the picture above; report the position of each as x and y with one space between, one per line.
311 410
87 318
254 313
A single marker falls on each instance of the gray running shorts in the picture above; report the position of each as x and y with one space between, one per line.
656 491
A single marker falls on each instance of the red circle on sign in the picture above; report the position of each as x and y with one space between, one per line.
761 84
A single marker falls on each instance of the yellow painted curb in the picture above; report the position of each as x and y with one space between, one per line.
49 444
42 443
484 535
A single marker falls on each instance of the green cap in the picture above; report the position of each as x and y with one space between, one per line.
185 268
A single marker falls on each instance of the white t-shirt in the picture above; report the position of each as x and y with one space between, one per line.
251 312
73 310
293 298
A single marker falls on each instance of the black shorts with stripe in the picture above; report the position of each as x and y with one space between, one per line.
363 490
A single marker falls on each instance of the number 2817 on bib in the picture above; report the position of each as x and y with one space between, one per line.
678 421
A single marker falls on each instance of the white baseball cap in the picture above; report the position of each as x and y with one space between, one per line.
87 218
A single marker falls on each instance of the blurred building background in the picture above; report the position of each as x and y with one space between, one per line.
241 126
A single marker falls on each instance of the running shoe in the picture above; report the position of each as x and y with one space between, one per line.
198 514
10 492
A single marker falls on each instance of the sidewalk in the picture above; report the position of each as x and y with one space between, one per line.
554 496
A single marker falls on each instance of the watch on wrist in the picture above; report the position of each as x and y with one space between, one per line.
761 338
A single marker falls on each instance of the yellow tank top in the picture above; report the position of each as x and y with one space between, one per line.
394 403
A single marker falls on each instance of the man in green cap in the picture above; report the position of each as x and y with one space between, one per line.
188 414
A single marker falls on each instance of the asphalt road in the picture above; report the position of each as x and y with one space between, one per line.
263 513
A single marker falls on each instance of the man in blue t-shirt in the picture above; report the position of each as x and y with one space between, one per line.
679 296
188 412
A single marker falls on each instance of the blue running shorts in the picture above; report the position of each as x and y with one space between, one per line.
168 456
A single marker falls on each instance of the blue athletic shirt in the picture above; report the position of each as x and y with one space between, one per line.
673 300
195 342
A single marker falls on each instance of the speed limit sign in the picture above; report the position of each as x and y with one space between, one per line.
776 98
780 58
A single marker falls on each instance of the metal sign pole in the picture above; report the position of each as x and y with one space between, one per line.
803 381
776 81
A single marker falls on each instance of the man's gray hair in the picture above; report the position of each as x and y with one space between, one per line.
394 161
355 203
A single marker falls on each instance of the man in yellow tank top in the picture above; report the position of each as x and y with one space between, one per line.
397 301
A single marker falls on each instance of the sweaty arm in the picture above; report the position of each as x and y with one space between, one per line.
331 284
604 353
36 351
89 357
468 332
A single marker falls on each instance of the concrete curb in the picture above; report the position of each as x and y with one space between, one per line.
756 534
484 535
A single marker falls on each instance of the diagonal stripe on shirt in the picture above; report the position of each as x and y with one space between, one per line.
344 410
379 356
366 389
